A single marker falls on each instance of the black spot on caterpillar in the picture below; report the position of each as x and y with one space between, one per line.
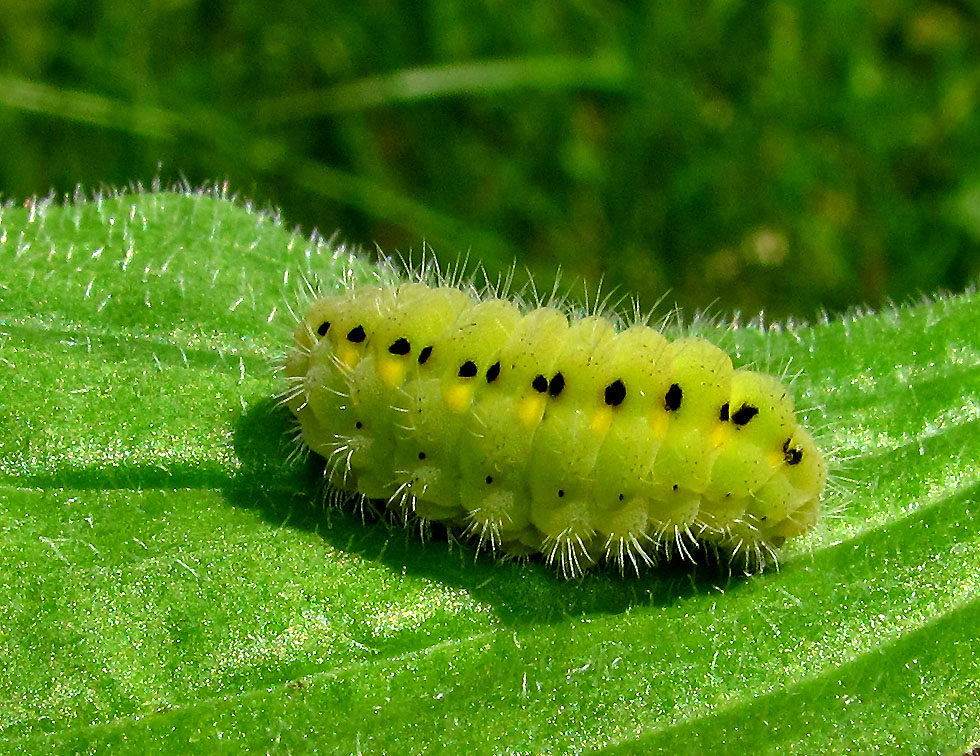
492 372
556 385
634 433
615 393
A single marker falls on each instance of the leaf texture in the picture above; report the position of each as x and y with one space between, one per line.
171 583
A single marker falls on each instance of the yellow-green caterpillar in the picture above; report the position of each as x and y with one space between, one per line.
535 432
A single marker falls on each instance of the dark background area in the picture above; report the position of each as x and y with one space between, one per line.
786 156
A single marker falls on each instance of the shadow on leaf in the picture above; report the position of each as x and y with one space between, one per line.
288 491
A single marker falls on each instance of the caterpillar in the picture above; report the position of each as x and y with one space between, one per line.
534 431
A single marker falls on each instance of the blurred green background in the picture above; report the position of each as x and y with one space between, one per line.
742 154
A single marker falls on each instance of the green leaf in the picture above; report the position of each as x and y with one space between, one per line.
169 581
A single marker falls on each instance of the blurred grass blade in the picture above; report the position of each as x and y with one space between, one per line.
85 107
604 73
265 155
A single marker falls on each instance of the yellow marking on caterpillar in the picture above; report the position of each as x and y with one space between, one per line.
459 397
601 420
530 409
721 434
659 423
392 371
348 355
